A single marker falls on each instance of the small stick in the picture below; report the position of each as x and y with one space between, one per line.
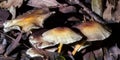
13 45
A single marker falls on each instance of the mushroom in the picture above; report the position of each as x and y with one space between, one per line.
62 35
31 20
33 53
94 31
39 43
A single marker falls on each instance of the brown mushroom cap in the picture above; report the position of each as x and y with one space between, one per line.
61 35
31 20
93 30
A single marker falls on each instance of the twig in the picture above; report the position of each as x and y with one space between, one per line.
13 45
7 36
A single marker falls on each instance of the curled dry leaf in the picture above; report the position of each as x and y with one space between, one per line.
107 55
89 56
111 13
114 52
9 3
107 14
4 14
116 14
31 20
43 3
11 6
93 30
99 54
97 6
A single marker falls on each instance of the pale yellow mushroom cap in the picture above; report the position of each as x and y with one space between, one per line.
61 35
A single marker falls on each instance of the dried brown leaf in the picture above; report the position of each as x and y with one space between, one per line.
4 14
67 9
11 6
43 3
98 54
114 51
111 13
97 6
116 15
107 14
7 58
89 56
9 3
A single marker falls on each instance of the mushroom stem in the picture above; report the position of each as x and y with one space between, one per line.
60 47
77 48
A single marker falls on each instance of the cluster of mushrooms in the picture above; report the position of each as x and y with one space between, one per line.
34 19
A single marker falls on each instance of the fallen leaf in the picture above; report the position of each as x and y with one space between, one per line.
97 6
107 14
4 14
116 15
89 56
11 6
107 55
67 9
9 3
43 3
114 51
7 58
98 54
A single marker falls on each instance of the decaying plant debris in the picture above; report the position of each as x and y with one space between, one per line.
59 30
